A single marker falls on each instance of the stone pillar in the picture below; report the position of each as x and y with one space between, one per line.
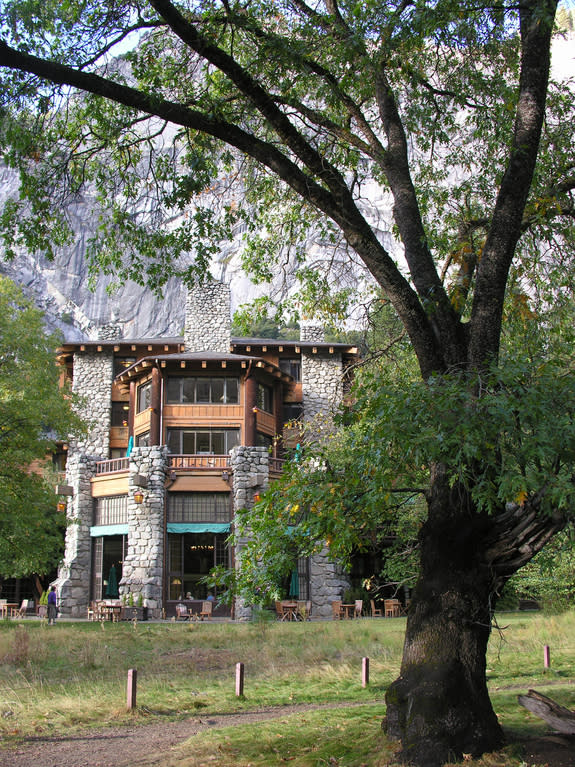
250 466
208 318
328 582
142 572
73 582
322 392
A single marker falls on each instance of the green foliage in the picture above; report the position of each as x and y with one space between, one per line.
549 578
34 413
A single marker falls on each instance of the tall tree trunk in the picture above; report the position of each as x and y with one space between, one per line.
439 706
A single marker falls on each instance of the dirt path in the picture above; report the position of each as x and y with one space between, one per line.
149 744
138 746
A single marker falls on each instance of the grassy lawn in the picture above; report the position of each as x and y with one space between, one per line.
73 675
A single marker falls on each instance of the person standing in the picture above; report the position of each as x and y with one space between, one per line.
52 606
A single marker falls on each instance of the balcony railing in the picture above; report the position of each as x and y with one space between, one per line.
112 466
116 465
199 461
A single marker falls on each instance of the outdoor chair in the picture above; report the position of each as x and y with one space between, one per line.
206 611
375 611
182 613
392 608
358 608
336 611
19 612
304 610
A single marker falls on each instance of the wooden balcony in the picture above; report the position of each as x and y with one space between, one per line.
203 461
113 466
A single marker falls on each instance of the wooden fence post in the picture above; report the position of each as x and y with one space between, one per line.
132 684
364 672
239 680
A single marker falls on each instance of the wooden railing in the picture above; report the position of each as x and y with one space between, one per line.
115 465
199 461
112 465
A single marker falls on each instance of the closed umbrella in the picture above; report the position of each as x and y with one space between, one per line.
112 587
294 584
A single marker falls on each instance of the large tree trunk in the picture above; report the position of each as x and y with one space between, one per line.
439 706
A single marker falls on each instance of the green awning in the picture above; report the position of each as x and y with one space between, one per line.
198 527
96 531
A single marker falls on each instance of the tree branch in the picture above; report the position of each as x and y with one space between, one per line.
536 18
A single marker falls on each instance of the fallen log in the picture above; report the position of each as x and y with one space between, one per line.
560 718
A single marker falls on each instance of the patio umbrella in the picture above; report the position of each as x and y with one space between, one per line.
112 587
294 584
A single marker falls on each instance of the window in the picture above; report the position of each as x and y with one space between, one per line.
292 411
291 367
198 507
202 390
144 396
196 441
122 363
143 440
191 556
120 413
264 440
112 510
265 398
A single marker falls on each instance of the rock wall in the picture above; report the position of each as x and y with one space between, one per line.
250 467
73 582
142 571
93 375
208 318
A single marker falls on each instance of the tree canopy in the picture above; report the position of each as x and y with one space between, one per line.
304 125
34 414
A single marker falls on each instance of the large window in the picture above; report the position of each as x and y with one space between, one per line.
265 398
120 413
144 396
197 441
292 367
200 390
199 507
112 510
191 557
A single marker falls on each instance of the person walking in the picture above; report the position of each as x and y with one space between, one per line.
52 606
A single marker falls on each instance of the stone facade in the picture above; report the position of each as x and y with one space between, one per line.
142 572
208 318
73 583
328 583
250 466
93 375
322 390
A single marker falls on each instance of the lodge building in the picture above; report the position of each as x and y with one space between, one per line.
182 433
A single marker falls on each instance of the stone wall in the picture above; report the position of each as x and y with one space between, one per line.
250 467
328 583
208 318
73 582
93 376
322 390
142 571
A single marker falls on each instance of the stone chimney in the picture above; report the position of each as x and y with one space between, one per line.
208 318
312 331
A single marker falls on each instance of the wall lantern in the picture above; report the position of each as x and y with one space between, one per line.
257 497
61 506
225 476
138 496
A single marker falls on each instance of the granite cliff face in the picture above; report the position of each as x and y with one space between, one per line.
60 287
